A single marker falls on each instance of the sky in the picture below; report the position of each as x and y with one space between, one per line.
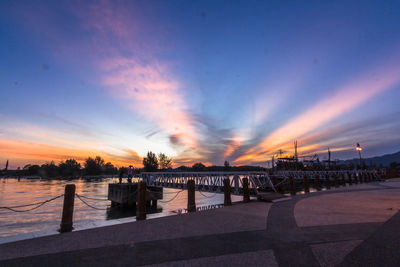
201 81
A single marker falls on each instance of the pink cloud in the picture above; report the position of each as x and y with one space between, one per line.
152 92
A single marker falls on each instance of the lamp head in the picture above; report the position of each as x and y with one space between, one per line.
358 147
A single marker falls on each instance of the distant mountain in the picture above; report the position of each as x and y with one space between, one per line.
384 160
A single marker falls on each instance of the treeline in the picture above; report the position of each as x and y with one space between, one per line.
152 163
70 168
97 166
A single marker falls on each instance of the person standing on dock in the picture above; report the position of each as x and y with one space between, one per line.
130 174
121 174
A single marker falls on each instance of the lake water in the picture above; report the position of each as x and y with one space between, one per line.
48 216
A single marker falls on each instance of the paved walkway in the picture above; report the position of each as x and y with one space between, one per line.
349 226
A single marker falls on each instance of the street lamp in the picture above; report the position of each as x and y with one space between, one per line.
359 148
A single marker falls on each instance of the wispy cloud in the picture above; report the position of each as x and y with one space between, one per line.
128 68
152 92
340 102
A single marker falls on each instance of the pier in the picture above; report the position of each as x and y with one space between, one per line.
262 185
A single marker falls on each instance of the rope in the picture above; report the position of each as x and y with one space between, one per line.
38 205
166 201
91 198
207 196
167 193
87 204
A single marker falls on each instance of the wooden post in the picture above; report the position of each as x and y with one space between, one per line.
68 209
336 181
349 177
317 182
141 201
355 178
227 192
246 193
154 204
306 184
343 179
327 181
292 186
191 196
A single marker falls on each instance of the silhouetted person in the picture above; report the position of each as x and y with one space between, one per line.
121 174
130 174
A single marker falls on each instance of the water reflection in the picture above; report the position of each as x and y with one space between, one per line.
47 217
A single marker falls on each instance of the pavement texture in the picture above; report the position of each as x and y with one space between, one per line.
346 226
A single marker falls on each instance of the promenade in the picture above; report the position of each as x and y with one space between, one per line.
356 225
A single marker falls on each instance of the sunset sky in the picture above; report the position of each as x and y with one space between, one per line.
197 80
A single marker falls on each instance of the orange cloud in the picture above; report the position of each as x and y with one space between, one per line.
23 152
233 146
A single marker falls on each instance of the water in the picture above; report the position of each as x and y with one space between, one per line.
48 217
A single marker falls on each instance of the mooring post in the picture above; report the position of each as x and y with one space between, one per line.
68 209
154 204
336 181
141 201
292 186
246 193
191 196
227 192
369 177
349 177
317 182
355 178
327 181
343 179
306 184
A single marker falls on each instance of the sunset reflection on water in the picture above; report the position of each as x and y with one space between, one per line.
48 217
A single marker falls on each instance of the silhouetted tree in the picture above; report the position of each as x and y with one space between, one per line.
94 166
31 170
69 168
150 162
183 168
198 166
49 169
109 168
164 161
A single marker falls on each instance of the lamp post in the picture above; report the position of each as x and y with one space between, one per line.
359 148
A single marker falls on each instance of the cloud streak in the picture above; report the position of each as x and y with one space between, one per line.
340 102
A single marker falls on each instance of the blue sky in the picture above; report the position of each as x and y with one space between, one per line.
198 80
